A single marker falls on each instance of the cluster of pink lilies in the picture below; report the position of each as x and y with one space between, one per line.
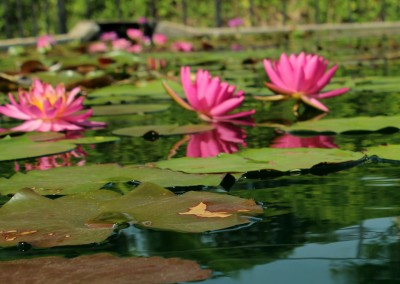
300 77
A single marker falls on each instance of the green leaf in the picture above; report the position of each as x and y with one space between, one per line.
23 147
43 222
70 180
128 109
340 125
391 152
54 78
259 159
152 206
93 140
163 130
153 89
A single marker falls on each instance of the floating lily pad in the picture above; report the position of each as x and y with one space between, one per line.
340 125
153 89
101 268
128 109
43 222
89 218
151 206
54 78
93 140
23 147
258 159
391 152
69 180
163 130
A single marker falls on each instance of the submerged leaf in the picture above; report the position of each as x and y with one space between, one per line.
128 109
101 268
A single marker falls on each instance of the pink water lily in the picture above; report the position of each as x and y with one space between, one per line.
301 77
109 36
212 99
292 141
44 43
45 108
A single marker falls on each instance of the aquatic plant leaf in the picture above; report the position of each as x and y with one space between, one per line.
42 222
259 159
340 125
70 180
128 109
101 268
152 206
153 89
93 140
391 152
162 130
54 78
23 147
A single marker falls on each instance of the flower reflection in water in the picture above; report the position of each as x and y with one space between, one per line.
224 138
291 141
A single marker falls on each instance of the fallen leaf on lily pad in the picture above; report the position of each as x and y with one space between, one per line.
101 268
23 147
391 152
259 159
93 177
162 130
200 210
340 125
128 109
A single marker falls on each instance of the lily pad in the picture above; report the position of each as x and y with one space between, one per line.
93 140
23 147
340 125
54 78
153 89
259 159
88 218
162 130
101 268
391 152
128 109
70 180
152 206
43 222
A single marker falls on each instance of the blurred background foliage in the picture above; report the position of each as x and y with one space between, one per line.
21 18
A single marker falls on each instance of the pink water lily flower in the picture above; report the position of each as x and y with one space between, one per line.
182 46
108 36
301 77
44 43
160 39
135 34
48 109
212 99
235 22
97 47
121 44
292 141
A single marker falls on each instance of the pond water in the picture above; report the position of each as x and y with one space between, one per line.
341 227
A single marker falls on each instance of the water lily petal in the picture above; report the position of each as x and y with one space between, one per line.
175 97
226 106
314 103
333 93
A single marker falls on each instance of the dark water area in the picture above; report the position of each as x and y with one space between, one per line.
343 227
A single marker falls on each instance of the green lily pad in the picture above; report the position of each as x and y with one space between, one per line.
163 130
43 222
70 180
57 269
93 140
54 78
340 125
128 109
153 89
391 152
259 159
23 147
152 206
89 218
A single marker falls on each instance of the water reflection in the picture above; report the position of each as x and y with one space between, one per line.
291 141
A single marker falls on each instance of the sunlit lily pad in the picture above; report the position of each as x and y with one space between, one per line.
101 268
151 206
89 218
391 152
153 89
23 147
258 159
163 130
43 222
128 109
54 78
69 180
93 140
340 125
